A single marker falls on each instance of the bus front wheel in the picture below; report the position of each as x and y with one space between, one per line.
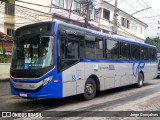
140 80
89 89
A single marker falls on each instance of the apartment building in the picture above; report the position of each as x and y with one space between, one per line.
128 26
72 11
7 13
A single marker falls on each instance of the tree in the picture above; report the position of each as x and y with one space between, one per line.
154 41
7 1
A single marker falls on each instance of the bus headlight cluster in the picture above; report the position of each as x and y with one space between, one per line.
47 80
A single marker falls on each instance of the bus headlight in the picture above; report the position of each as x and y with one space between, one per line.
47 80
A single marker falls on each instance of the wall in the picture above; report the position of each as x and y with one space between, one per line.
4 70
27 13
105 24
39 2
1 18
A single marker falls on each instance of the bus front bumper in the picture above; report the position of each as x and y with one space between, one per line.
35 90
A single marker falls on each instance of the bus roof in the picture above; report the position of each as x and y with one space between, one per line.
117 37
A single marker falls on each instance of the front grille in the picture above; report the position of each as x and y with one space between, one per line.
30 73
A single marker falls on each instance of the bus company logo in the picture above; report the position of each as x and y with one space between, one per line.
101 67
137 67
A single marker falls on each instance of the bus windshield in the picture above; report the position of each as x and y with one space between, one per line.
33 52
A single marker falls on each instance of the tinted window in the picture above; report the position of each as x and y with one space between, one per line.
68 52
34 28
135 52
72 49
151 54
144 53
125 51
94 49
33 52
112 49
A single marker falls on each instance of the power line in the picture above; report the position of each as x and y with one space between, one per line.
144 6
109 0
149 16
145 3
120 27
152 30
43 5
141 10
69 10
120 1
133 7
50 14
141 4
148 6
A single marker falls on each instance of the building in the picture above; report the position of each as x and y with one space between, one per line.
71 11
128 26
7 13
46 10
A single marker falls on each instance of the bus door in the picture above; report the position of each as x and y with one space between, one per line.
123 68
112 55
70 66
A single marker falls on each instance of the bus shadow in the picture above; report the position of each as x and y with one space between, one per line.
119 90
46 104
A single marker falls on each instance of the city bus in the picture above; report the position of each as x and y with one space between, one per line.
56 59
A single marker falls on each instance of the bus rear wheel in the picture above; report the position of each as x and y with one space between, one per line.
89 89
140 80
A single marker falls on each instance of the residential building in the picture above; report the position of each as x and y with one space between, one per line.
7 13
128 26
71 11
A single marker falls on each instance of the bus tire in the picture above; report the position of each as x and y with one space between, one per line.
89 89
140 80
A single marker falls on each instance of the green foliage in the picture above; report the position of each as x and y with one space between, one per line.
154 41
7 1
3 59
1 50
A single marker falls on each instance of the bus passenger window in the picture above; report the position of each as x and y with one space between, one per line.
144 53
72 50
151 54
94 49
112 50
135 52
69 52
125 51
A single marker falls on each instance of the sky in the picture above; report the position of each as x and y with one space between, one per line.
131 6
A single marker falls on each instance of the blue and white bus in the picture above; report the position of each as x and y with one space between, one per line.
57 59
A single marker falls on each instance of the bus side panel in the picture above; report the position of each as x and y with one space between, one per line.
123 74
95 68
150 71
73 80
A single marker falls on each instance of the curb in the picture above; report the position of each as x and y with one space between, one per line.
4 80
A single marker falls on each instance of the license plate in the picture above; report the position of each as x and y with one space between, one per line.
23 95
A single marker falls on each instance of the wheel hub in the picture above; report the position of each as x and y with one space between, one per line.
89 89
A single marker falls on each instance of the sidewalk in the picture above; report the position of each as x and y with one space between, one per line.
4 80
4 71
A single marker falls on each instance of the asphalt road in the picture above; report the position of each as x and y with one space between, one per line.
125 98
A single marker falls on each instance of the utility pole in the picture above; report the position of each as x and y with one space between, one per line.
87 18
90 12
114 29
